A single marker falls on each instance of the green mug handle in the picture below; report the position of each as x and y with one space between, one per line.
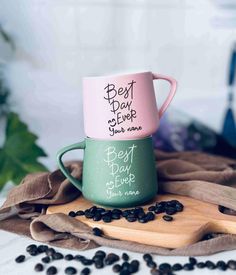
81 145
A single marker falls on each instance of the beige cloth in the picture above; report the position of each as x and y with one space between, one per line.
201 176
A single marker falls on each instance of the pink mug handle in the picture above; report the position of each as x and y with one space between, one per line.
171 94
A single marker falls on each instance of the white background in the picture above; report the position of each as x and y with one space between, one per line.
60 41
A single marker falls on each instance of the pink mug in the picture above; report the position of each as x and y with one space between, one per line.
123 106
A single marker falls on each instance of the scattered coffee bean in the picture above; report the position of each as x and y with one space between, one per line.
151 208
50 251
70 270
165 267
125 257
192 261
72 214
31 247
79 258
69 257
167 218
88 214
106 219
42 248
57 256
86 261
97 231
151 264
124 272
125 266
38 267
221 265
210 265
46 259
116 268
20 259
170 210
80 213
188 267
100 253
201 265
97 217
177 267
85 271
231 264
147 257
99 264
111 258
52 270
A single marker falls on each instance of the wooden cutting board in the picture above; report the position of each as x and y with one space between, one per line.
188 227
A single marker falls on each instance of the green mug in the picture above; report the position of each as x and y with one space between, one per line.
116 173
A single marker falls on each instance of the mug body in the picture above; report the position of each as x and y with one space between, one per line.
120 107
119 173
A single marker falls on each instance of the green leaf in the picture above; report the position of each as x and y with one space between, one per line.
19 154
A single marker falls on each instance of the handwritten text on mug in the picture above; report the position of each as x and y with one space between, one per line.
120 100
120 164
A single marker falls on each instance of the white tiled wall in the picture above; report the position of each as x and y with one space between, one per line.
60 41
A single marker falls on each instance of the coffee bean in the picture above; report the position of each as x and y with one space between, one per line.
167 218
106 219
201 265
99 264
88 214
125 266
97 231
72 214
165 267
97 217
69 257
79 258
38 267
143 220
107 213
135 263
116 268
51 270
141 215
150 216
20 259
93 209
111 258
151 208
133 268
116 211
70 270
192 261
210 265
100 210
31 247
115 216
42 248
79 213
177 267
85 271
170 210
33 252
131 218
221 265
188 267
147 257
179 207
46 259
231 264
125 256
86 261
50 251
57 256
100 253
151 264
125 213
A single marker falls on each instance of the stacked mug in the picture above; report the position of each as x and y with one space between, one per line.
120 115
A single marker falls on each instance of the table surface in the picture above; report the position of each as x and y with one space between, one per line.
12 245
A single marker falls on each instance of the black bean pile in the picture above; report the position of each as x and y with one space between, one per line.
122 265
133 214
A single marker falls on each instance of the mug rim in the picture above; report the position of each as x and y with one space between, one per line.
115 75
117 140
